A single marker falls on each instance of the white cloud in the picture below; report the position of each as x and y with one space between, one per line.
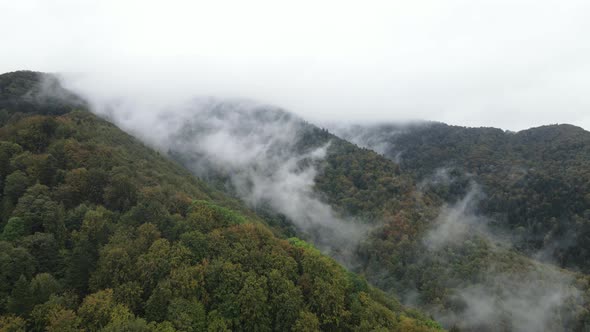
512 64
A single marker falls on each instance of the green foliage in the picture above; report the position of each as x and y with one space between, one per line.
536 181
40 213
20 299
187 315
45 250
63 320
96 309
306 322
15 185
14 229
43 286
12 323
14 263
101 233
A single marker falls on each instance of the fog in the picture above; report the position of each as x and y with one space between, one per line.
252 150
158 69
505 295
457 222
509 64
530 300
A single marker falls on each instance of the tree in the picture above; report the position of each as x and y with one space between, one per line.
15 185
45 249
114 268
146 234
216 322
94 232
12 323
35 131
187 315
40 213
43 286
371 315
20 299
285 301
63 320
157 263
188 281
307 322
74 217
252 300
129 294
7 151
14 229
224 281
122 320
328 301
49 314
96 181
96 309
47 170
120 194
156 307
14 263
197 243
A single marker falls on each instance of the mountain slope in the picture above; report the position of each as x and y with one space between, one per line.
366 211
101 233
372 215
536 181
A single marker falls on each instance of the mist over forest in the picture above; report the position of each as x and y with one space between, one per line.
294 166
463 254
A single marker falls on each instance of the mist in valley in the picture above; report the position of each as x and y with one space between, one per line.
257 152
252 98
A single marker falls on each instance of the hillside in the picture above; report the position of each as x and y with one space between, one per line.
405 235
101 233
372 215
536 181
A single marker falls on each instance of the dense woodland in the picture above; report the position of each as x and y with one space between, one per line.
402 211
533 197
536 181
101 233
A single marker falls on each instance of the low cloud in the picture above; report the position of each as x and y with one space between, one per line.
512 293
456 222
540 298
253 150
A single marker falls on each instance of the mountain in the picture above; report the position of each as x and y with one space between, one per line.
536 181
99 232
508 202
418 234
371 214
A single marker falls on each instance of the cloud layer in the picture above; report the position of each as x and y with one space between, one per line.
511 64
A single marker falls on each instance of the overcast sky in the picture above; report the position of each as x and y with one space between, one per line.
510 64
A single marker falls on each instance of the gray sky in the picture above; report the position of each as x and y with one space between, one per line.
511 64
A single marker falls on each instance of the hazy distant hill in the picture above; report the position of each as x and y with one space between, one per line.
536 181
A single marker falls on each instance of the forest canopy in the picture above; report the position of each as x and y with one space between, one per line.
101 233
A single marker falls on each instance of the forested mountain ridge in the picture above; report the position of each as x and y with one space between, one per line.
401 232
536 181
101 233
376 217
